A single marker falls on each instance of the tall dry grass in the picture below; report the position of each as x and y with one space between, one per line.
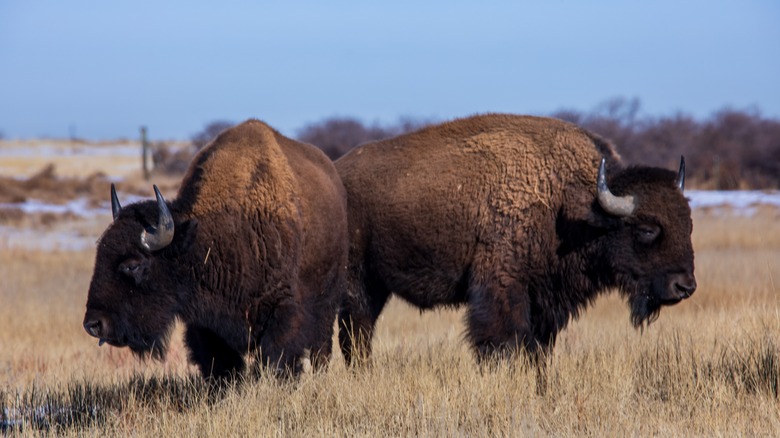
709 366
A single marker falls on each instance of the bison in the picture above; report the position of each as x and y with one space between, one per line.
524 219
251 256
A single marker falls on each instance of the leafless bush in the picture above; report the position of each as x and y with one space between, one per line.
171 161
175 161
338 135
208 133
732 149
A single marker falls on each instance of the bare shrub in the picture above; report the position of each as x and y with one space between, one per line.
171 162
732 149
211 130
338 135
176 161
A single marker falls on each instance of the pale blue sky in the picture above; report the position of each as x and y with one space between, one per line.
100 69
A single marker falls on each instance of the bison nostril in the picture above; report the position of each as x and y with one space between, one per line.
686 288
93 327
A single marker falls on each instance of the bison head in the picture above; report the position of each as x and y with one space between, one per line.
136 287
647 245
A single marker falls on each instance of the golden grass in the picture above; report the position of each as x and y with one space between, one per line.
709 366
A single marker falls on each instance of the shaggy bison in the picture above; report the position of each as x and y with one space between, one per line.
251 256
519 218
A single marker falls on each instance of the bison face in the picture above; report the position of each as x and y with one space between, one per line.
648 243
135 290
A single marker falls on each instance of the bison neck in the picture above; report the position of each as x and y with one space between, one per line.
238 283
577 274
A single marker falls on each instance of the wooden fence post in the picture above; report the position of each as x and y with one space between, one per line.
146 155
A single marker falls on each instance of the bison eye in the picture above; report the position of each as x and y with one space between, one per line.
647 233
129 267
136 269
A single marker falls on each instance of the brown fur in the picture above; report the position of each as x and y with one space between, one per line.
256 265
499 212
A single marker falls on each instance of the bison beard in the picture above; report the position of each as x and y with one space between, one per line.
147 346
645 309
645 301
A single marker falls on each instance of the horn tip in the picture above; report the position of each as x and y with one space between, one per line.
115 206
680 181
602 175
158 194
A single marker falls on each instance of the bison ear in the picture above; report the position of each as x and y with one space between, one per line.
598 218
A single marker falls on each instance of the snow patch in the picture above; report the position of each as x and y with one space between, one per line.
53 151
78 207
738 200
45 240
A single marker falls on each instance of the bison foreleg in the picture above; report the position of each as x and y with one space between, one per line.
499 320
357 319
355 335
212 355
322 314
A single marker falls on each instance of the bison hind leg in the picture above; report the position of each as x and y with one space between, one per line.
212 355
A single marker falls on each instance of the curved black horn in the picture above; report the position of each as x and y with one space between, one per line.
680 181
615 205
162 235
115 207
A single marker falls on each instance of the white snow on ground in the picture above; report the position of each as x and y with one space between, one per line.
45 240
738 200
726 202
78 207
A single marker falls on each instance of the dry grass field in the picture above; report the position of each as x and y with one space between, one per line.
707 367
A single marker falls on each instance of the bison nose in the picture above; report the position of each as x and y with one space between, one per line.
685 285
94 327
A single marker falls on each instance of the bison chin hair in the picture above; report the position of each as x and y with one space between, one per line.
645 309
154 347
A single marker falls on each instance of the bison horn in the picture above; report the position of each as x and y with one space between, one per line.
161 235
115 207
680 181
615 205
